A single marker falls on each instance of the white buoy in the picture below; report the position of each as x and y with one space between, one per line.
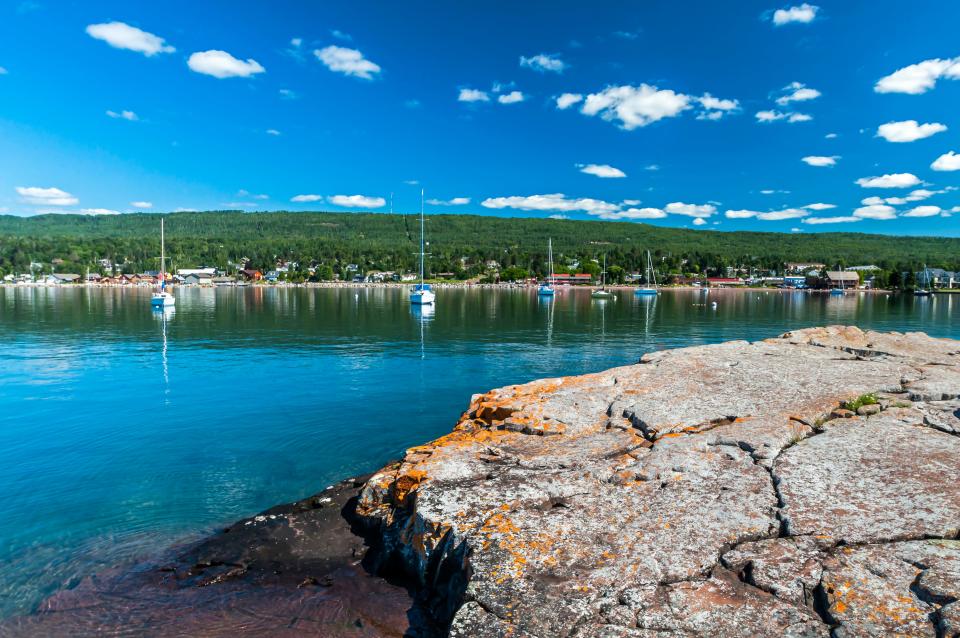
714 304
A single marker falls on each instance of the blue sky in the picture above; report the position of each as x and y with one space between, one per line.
741 115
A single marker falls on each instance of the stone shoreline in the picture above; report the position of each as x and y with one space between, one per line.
713 490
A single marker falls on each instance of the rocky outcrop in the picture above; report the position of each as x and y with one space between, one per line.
805 485
714 490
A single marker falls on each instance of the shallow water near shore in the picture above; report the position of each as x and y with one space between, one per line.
123 430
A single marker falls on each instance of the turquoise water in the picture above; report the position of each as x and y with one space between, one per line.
123 431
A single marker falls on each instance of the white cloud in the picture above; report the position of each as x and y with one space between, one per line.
357 201
740 214
566 100
699 221
831 220
652 167
601 170
558 216
130 116
769 216
634 213
142 204
691 210
631 202
98 211
46 196
306 198
775 116
122 36
347 61
511 98
820 206
221 64
273 131
473 95
552 202
894 180
919 78
797 92
820 160
456 201
830 136
803 14
544 62
340 35
949 161
635 106
908 130
716 108
876 211
296 42
923 211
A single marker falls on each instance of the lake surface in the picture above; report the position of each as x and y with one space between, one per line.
123 431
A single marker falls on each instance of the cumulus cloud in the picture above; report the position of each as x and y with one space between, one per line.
130 116
544 62
923 211
142 204
347 61
221 65
691 210
908 130
919 78
831 220
820 160
830 136
473 95
699 221
566 100
715 108
768 216
45 196
456 201
306 198
635 106
634 214
601 170
797 92
98 211
820 206
357 201
552 202
876 212
803 14
915 196
511 98
123 36
949 161
893 180
776 116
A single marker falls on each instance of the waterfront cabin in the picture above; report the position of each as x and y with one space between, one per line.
61 278
251 275
579 279
198 279
724 282
842 279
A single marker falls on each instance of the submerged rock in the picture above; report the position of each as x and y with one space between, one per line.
717 490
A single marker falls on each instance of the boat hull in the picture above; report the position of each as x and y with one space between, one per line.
163 302
645 292
546 292
422 297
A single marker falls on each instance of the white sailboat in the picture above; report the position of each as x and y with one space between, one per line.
649 277
546 289
161 298
421 293
602 292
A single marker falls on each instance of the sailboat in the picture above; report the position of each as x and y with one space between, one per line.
649 278
602 292
922 291
421 292
546 288
161 298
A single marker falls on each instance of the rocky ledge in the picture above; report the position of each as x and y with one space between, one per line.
805 485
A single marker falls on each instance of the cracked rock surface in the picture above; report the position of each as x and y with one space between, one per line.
713 490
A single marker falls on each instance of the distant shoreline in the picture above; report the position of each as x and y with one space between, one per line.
449 284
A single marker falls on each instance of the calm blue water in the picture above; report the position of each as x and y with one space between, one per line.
123 431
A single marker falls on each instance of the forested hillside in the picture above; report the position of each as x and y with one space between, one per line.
458 243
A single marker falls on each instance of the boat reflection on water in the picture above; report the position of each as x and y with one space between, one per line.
423 313
163 315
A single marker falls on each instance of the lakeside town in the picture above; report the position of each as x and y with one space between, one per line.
794 275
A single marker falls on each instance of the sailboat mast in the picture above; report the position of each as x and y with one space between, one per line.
162 257
421 238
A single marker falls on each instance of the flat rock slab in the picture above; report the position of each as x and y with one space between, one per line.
714 490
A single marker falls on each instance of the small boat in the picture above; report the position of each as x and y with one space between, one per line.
422 294
546 288
649 277
602 292
922 291
160 298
